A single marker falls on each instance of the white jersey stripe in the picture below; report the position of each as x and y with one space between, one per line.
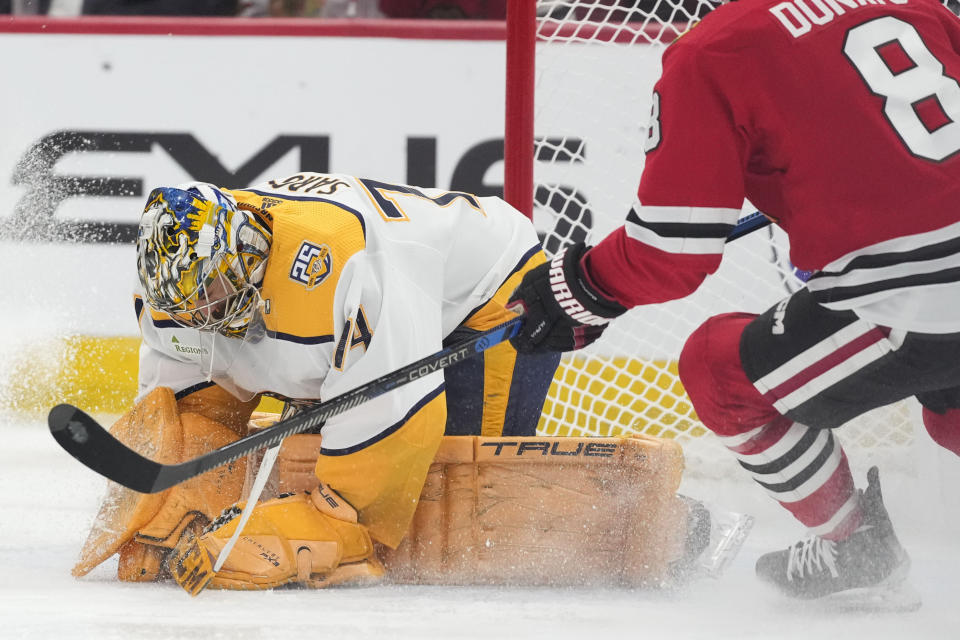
898 245
910 283
866 276
686 215
697 246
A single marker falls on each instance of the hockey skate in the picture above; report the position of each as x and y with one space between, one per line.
714 537
867 570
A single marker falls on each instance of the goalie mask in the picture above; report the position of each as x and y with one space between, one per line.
200 258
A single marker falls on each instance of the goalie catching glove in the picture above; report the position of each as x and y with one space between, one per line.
563 310
310 538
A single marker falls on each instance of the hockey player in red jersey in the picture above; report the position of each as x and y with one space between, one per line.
841 121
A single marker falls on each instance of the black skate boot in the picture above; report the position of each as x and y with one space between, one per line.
870 558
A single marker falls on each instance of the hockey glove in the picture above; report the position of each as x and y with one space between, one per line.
563 311
312 539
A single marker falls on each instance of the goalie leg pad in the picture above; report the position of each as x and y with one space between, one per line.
552 511
546 511
139 562
199 499
536 511
287 540
130 522
152 428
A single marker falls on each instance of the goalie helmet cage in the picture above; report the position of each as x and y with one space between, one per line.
580 75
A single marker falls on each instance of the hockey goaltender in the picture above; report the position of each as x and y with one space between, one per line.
306 286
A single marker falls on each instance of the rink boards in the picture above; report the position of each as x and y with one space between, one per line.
104 111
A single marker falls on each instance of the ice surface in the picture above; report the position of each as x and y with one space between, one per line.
49 500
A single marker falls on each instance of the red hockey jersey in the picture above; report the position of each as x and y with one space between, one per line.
840 119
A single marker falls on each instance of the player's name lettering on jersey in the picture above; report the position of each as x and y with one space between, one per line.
551 448
561 291
800 17
313 183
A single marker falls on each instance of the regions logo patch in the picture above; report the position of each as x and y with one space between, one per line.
312 265
188 350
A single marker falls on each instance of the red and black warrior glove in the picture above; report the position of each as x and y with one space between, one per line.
563 311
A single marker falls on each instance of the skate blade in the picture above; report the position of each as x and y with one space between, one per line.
900 597
728 532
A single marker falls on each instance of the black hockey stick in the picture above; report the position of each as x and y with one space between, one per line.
90 443
749 224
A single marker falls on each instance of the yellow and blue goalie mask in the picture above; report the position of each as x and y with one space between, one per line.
200 258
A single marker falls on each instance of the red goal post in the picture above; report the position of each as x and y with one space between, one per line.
580 74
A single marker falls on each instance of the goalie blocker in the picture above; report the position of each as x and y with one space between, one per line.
520 511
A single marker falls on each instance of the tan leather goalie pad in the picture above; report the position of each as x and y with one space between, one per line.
150 428
532 511
127 520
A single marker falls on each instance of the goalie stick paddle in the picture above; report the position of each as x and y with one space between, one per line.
90 443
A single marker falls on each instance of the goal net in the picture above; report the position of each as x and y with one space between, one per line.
596 62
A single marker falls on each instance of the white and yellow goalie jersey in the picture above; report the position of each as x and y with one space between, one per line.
363 277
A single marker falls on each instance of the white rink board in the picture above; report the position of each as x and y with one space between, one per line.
233 95
237 93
